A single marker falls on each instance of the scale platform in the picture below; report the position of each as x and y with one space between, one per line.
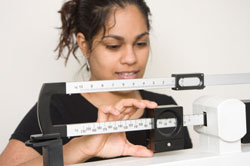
189 157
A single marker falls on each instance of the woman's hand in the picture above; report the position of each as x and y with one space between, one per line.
114 144
117 144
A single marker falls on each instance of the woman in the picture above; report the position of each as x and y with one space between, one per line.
114 37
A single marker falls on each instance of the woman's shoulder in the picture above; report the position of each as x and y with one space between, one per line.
160 99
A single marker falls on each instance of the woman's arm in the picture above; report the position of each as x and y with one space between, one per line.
83 148
16 153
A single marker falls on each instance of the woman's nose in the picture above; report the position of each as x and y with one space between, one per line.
129 56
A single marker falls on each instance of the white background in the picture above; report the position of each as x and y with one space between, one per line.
209 36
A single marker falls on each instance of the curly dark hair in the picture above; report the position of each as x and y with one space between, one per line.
89 17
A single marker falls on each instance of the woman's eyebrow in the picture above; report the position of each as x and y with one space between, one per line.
122 38
113 36
141 35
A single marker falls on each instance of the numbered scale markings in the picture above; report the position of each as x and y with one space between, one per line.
117 85
129 125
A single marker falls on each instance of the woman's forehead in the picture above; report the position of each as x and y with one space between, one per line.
125 22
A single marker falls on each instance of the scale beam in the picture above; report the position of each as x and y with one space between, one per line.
177 82
130 125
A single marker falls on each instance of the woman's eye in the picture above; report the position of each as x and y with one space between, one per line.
113 47
142 44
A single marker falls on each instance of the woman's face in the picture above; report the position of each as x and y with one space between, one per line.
124 50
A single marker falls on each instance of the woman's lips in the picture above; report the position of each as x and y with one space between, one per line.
127 75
